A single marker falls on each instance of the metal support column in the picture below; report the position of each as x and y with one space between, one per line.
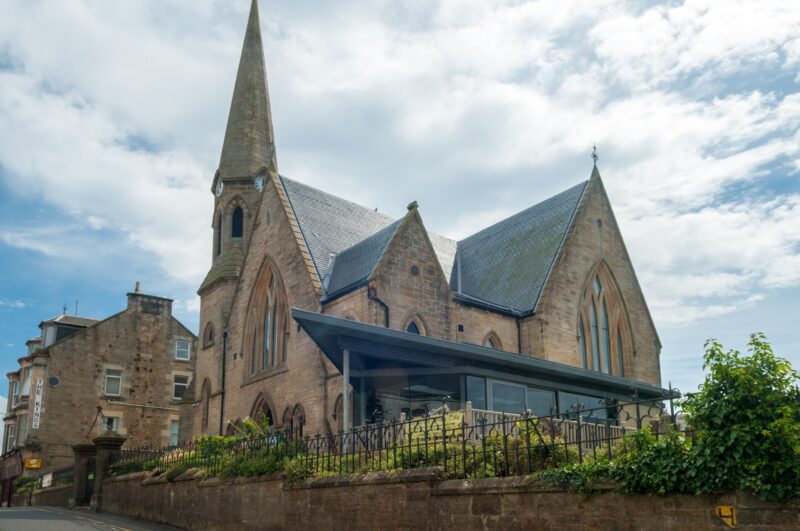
346 391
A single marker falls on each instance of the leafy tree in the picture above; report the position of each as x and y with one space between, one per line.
746 420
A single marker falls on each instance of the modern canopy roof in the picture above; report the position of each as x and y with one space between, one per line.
333 334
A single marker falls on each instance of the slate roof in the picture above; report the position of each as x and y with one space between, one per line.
330 224
507 264
354 265
71 320
504 266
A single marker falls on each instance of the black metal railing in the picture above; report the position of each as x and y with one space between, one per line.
465 443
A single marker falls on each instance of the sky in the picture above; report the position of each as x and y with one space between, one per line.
112 116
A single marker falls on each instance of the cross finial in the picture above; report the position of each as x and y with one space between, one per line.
595 156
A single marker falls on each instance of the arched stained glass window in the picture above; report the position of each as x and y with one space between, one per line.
582 345
606 341
237 223
266 326
603 312
285 337
412 328
267 337
274 336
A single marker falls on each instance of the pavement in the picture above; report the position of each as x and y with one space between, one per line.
60 519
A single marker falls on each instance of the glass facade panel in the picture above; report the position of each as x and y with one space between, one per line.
386 397
476 391
541 403
428 392
591 407
507 398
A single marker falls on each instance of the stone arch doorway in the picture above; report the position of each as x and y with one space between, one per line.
262 410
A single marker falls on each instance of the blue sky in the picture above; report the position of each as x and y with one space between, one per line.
113 115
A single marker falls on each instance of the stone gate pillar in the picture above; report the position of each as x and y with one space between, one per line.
83 452
107 444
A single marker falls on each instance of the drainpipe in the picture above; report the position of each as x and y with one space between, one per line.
519 336
372 294
222 392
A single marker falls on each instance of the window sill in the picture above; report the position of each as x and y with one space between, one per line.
182 361
264 374
208 345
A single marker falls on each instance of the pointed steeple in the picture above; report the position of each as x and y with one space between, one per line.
249 138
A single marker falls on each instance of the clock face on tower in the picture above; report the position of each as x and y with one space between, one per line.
220 187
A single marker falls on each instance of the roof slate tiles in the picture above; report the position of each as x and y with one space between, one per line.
507 263
504 265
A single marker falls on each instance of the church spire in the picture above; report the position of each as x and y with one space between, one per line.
249 143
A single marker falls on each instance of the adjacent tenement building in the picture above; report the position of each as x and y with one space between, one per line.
322 314
126 373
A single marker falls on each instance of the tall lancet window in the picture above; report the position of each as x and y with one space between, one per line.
582 344
218 235
603 316
595 340
265 339
237 223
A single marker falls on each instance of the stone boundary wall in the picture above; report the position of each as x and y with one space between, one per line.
53 497
420 499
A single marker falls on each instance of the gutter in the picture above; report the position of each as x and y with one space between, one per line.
372 294
222 391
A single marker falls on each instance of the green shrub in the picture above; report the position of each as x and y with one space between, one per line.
746 419
25 484
251 465
746 435
653 465
297 469
580 476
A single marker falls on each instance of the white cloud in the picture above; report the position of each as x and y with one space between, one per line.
6 303
474 108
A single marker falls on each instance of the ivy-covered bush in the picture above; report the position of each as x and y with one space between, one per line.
745 426
746 419
24 484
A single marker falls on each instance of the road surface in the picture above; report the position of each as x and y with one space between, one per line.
59 519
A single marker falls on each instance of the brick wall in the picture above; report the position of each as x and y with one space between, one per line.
419 499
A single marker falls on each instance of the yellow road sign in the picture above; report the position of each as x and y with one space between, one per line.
727 513
31 462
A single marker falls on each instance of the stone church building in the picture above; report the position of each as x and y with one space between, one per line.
323 314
